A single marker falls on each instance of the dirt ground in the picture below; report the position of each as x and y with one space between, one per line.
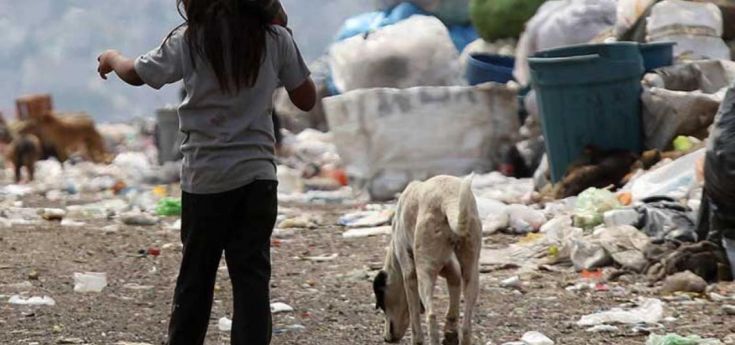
333 300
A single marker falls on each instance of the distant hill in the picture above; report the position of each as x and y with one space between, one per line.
51 46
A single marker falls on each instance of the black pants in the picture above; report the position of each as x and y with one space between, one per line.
240 223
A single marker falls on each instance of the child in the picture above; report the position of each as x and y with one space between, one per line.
231 59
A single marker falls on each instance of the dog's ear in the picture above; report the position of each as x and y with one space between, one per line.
379 285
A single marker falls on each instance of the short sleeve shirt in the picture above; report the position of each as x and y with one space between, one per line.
229 138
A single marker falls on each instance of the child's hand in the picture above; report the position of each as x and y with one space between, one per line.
106 62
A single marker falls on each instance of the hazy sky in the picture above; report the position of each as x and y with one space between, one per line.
50 46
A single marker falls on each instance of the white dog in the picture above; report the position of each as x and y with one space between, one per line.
436 231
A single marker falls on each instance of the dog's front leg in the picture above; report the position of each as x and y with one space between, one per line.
414 304
427 281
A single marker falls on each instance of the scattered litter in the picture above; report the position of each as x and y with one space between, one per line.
591 206
366 219
175 226
134 286
291 328
23 286
90 282
299 222
52 213
69 223
33 301
512 283
649 311
603 329
169 207
674 180
666 219
224 324
621 217
138 219
367 232
675 339
536 338
322 258
279 307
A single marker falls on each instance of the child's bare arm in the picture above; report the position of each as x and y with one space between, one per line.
304 96
113 61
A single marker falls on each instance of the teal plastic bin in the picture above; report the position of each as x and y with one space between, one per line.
588 95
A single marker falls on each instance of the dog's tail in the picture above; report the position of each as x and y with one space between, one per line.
466 209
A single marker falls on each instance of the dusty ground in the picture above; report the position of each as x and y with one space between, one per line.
333 299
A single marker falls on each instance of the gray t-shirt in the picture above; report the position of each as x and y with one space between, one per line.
229 137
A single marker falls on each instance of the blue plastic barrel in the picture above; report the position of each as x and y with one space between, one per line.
657 54
588 95
483 68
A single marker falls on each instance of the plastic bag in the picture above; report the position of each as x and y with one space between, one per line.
90 282
720 157
560 23
168 207
695 27
675 339
629 11
415 52
650 311
592 205
664 219
674 180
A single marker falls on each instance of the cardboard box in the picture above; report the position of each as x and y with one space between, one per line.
33 106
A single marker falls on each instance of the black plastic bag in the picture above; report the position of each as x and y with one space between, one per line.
664 219
719 170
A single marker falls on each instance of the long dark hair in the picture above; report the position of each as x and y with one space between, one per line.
230 35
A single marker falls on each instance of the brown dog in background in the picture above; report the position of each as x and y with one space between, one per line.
69 134
24 151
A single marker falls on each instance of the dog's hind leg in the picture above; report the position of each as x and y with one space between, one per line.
452 273
427 280
471 279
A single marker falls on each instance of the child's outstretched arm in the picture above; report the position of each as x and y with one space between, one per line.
113 61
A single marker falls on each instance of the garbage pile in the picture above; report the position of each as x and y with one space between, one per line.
608 105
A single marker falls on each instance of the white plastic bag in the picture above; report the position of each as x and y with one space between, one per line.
675 180
649 311
33 301
629 11
415 52
695 27
90 282
560 23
